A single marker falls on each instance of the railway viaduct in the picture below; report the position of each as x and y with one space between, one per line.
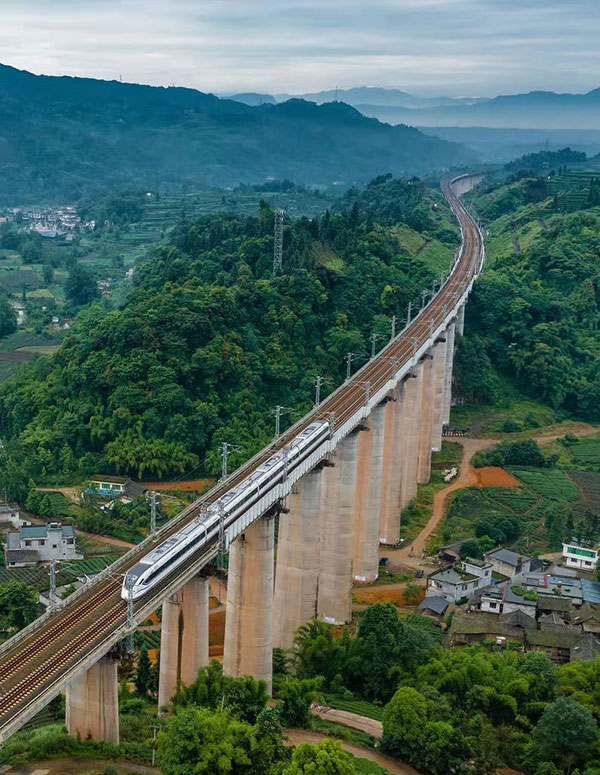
338 507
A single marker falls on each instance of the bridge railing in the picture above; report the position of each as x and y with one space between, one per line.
319 412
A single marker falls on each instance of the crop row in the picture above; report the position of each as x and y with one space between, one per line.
552 484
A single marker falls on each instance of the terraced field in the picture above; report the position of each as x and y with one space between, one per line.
589 485
360 707
586 452
549 483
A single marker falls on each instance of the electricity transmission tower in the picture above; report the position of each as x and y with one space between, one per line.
278 243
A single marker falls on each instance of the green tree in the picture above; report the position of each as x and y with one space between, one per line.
143 673
565 732
80 286
8 317
404 720
18 605
244 697
46 509
48 274
326 758
32 504
294 698
316 652
197 740
379 635
471 550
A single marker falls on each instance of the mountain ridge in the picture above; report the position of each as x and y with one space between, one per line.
64 136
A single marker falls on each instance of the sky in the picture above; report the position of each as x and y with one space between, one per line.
450 47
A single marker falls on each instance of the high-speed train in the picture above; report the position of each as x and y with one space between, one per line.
204 530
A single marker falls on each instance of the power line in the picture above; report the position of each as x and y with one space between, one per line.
278 243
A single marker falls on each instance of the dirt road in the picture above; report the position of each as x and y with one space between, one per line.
410 556
352 720
298 736
81 767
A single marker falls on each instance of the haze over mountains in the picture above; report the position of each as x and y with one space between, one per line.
63 136
533 110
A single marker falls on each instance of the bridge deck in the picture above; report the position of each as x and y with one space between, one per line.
36 664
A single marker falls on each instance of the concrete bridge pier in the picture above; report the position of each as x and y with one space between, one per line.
183 638
93 702
426 423
297 572
439 395
334 599
391 469
249 612
368 494
411 434
460 320
450 338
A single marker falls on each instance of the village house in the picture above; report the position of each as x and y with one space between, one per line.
40 543
507 598
507 562
478 626
10 515
580 555
115 487
459 581
433 606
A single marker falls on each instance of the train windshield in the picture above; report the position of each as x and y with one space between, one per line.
134 573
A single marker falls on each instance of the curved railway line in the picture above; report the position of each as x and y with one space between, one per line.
34 662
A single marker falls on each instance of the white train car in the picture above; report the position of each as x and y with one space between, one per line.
203 532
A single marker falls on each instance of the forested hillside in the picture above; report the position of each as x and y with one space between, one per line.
210 342
534 314
62 138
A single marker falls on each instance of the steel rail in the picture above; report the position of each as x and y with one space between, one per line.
36 663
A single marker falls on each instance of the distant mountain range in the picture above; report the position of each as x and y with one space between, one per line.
63 137
534 110
360 95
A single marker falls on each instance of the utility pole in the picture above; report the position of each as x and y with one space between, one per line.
153 512
349 358
367 392
318 384
52 595
224 453
394 321
221 562
278 243
415 343
278 412
374 338
409 313
130 622
225 448
423 297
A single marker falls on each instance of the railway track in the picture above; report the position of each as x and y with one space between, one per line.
36 660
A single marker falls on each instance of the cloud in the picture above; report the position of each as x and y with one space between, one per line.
446 46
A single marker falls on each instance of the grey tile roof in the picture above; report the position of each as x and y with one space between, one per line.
434 603
505 555
587 648
21 555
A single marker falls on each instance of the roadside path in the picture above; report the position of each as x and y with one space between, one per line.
79 767
352 720
298 736
411 556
